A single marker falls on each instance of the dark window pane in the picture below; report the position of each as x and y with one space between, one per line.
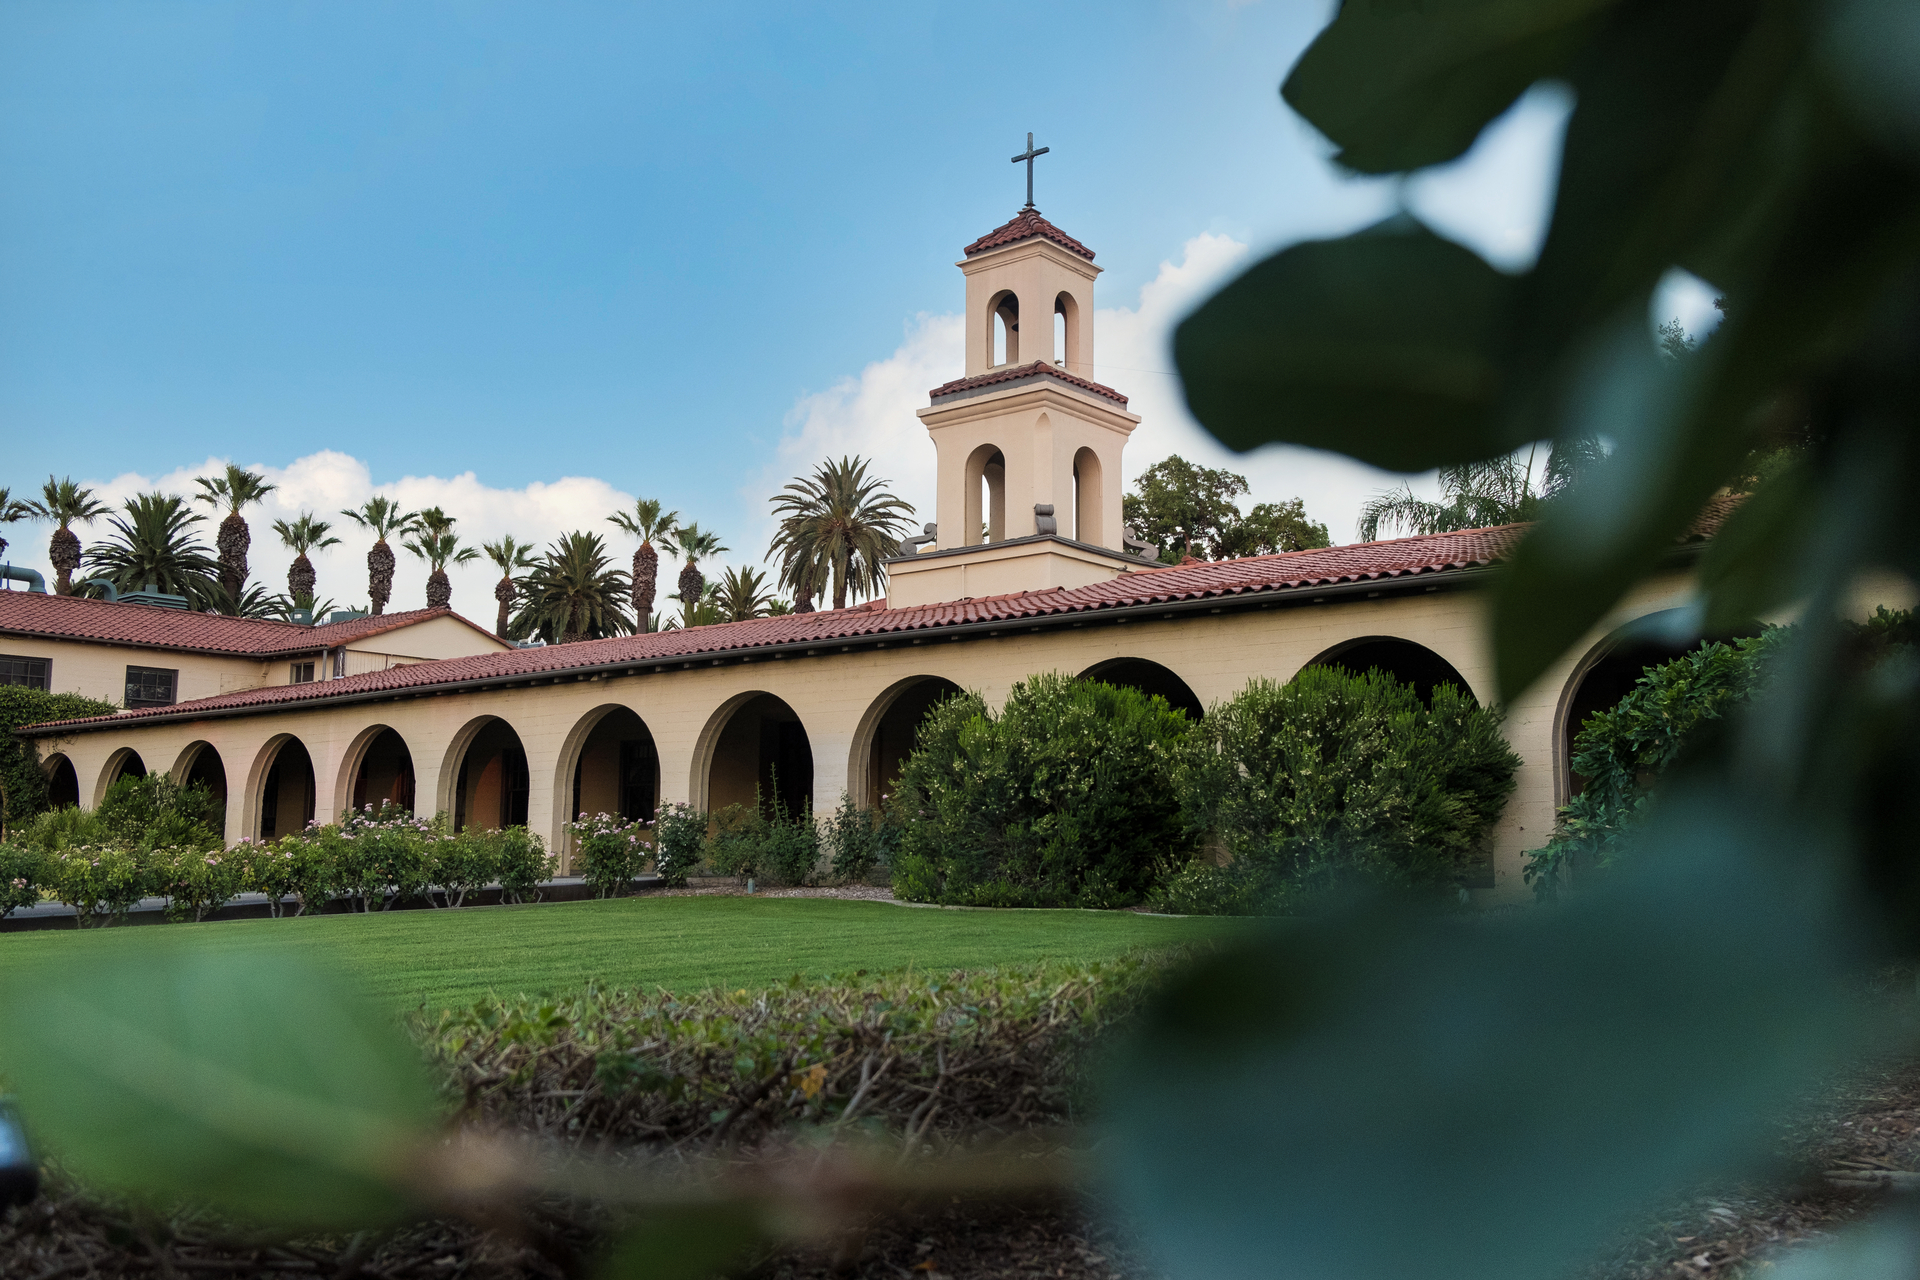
150 687
31 672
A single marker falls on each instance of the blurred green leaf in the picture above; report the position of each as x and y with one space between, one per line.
1483 1098
1872 49
692 1243
1388 345
1884 1250
1752 567
1398 85
252 1083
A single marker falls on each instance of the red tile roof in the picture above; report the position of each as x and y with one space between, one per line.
1025 225
1014 372
1148 587
53 617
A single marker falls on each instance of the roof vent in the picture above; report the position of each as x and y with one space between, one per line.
151 595
345 615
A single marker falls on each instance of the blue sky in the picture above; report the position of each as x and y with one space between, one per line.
531 260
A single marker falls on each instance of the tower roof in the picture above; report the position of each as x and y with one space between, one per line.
1025 225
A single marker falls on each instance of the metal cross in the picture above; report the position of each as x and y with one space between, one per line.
1028 156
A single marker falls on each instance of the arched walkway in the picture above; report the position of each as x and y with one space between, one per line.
63 782
1405 661
887 735
124 763
201 764
1149 678
383 774
489 772
755 744
286 789
611 765
1609 672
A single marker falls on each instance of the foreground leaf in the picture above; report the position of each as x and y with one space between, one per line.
1480 1098
1389 345
253 1083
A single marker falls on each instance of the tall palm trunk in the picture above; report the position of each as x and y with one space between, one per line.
64 551
439 589
232 542
692 583
646 576
380 576
503 592
301 578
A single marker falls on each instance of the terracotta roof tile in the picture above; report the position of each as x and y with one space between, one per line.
54 617
1293 570
1012 373
1025 225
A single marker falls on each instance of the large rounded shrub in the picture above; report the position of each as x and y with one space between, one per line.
1333 781
1063 799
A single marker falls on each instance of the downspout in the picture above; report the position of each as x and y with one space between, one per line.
35 583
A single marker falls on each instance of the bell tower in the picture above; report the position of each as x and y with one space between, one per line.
1028 444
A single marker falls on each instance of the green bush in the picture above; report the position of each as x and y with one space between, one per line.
155 812
1061 800
23 869
737 836
1336 781
611 851
679 836
520 863
55 829
23 787
1202 888
390 854
197 882
100 882
462 862
859 841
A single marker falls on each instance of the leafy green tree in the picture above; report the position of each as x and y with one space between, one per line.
385 518
646 522
234 491
1189 510
573 593
64 503
837 526
509 557
23 785
1270 528
742 594
153 543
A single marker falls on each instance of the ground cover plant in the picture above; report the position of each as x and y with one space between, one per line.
445 958
1335 783
1062 798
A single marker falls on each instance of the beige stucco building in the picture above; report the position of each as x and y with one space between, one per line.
824 703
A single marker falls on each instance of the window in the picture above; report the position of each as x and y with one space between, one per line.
150 687
302 673
31 672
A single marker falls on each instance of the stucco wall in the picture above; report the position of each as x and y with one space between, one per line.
836 697
100 670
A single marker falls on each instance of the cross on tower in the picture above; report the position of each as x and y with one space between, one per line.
1028 156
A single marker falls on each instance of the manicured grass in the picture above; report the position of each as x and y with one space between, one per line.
446 958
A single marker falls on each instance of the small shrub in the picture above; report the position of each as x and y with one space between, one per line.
268 869
521 862
155 812
1061 800
611 852
1201 888
198 882
23 869
100 882
679 835
790 846
462 863
738 836
56 829
390 848
859 842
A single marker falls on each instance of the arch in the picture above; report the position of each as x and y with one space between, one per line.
284 790
1088 491
124 763
750 741
986 470
484 782
1067 332
201 763
610 764
1405 660
63 780
1149 678
1003 328
377 770
888 733
1610 669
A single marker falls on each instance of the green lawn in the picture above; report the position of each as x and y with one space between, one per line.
443 958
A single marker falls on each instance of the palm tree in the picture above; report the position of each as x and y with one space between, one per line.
695 546
573 592
236 490
837 526
11 509
706 611
153 544
1478 495
439 548
646 523
299 608
64 502
301 536
743 595
253 602
509 557
385 518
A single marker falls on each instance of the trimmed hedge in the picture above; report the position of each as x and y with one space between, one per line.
1063 799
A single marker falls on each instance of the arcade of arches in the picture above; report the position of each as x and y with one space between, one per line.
806 727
